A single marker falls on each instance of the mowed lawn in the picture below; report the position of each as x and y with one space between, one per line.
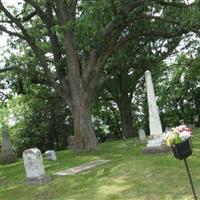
129 175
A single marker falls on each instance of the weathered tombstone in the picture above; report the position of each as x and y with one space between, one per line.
34 168
181 122
111 137
155 140
7 154
167 129
71 142
142 135
192 126
50 155
196 120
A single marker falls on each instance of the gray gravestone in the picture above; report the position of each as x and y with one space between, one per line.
34 168
192 126
71 140
111 137
167 129
196 118
50 155
7 154
142 135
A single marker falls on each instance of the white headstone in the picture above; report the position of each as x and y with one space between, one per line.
167 129
34 167
196 118
50 155
192 126
142 135
156 133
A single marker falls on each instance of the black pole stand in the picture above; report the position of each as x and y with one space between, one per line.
190 178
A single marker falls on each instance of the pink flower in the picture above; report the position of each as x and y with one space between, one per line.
185 135
188 129
176 130
182 128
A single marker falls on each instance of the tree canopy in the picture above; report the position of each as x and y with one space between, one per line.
68 44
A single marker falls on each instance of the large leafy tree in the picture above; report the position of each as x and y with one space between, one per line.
72 40
130 63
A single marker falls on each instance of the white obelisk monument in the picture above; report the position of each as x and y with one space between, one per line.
156 133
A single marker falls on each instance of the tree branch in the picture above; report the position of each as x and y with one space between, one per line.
172 3
111 31
56 48
66 15
31 41
47 18
7 69
141 17
158 34
38 10
29 17
10 33
3 94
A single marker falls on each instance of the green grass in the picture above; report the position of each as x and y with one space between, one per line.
129 175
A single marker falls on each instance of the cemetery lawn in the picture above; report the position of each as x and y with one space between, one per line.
129 175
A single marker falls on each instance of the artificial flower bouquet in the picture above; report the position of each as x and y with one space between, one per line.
178 140
177 135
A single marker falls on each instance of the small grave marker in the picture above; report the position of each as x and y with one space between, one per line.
50 155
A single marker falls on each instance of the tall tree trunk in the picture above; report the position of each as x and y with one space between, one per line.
126 117
124 104
52 131
85 138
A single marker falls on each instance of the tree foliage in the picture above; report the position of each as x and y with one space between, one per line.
38 118
72 41
179 91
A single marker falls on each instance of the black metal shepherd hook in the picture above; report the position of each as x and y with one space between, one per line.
190 178
182 151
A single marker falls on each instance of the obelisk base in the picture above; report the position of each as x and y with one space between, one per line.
155 145
8 158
